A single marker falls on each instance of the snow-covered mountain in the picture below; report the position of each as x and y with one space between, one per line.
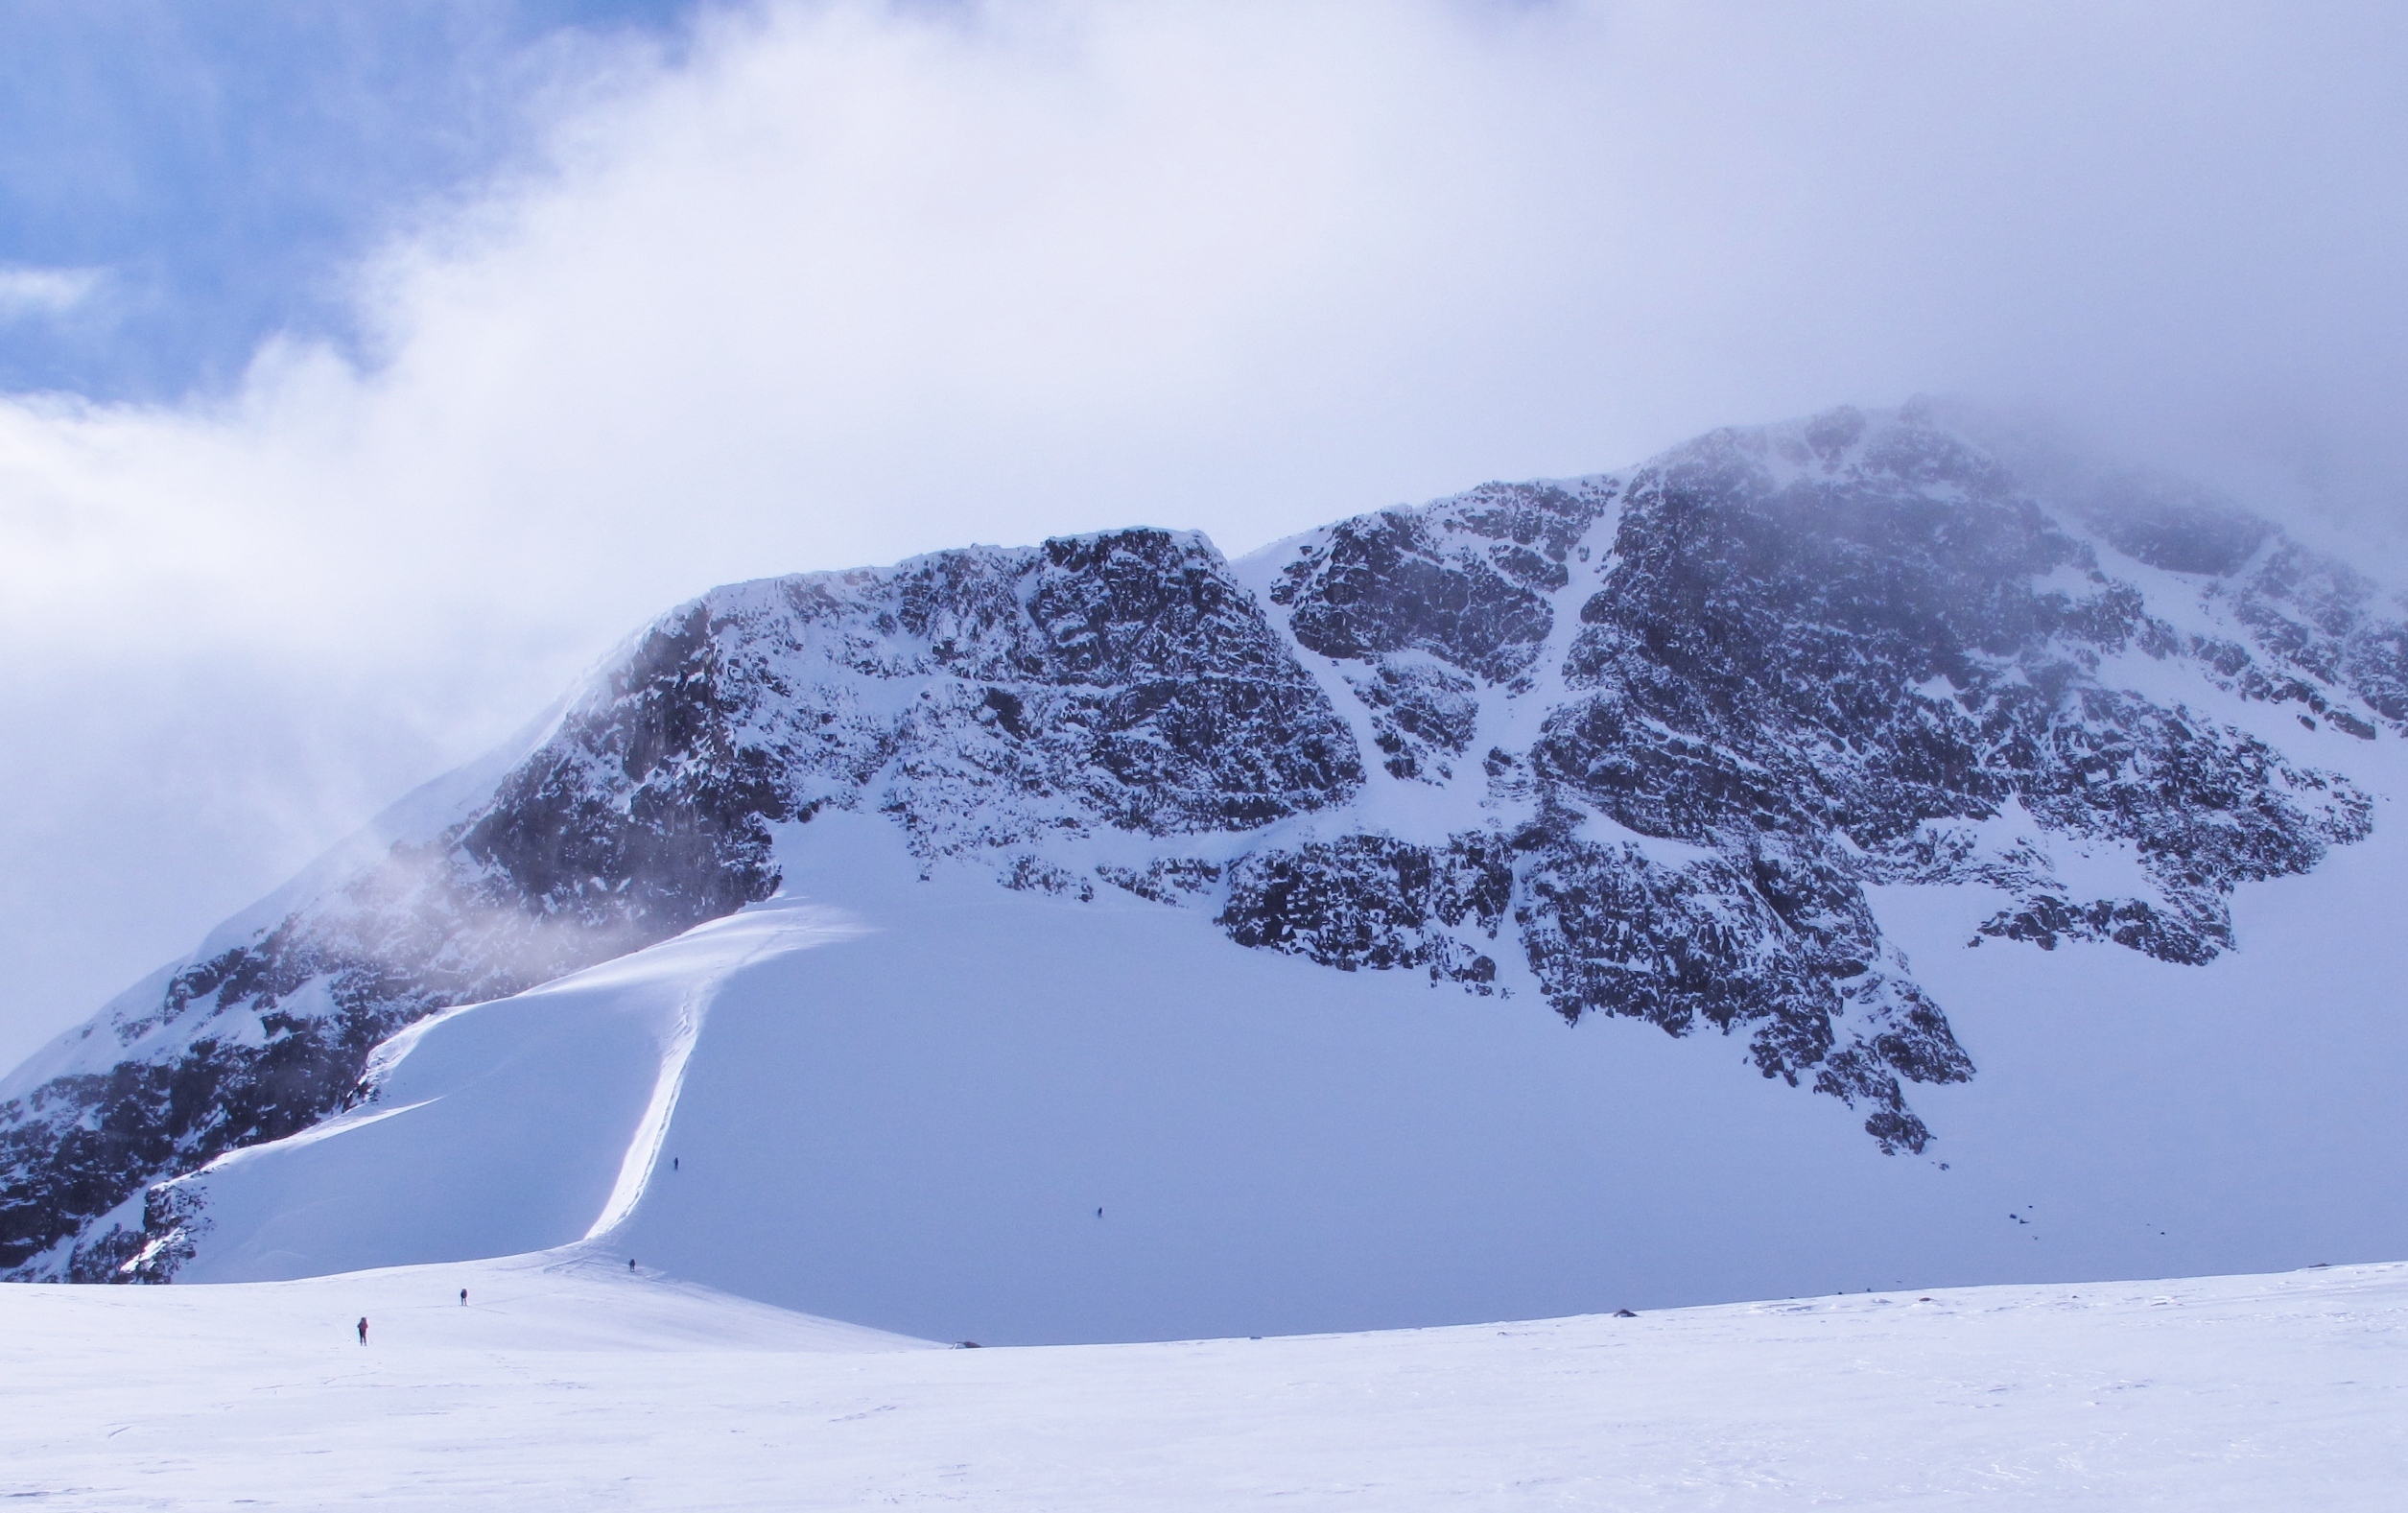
1103 939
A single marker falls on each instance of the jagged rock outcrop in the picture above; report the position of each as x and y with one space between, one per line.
1882 648
1374 901
1651 738
1466 581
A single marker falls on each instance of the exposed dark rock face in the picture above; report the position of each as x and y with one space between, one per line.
2329 628
1860 656
2170 523
1714 702
1882 653
2169 934
1421 717
1373 901
2318 632
1124 680
1780 946
1826 658
1165 880
1466 582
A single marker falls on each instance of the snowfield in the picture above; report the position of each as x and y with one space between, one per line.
565 1382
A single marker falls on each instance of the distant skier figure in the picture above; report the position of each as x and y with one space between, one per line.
631 1263
672 1163
362 1329
464 1297
1099 1213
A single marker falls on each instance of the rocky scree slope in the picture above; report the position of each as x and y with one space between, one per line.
1637 743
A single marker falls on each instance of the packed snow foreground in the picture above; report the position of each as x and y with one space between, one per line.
566 1381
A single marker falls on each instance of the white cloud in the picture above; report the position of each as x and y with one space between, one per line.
28 291
855 282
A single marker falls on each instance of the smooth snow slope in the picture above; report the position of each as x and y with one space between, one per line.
510 1126
2229 1393
907 1112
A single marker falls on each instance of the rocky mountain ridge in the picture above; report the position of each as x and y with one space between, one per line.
1636 744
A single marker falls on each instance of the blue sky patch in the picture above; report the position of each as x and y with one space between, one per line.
181 181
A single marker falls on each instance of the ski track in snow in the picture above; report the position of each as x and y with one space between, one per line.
567 1382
